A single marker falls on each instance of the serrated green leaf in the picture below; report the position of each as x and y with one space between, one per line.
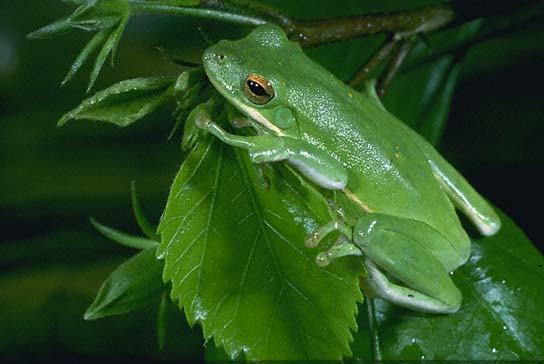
133 285
59 27
93 44
110 46
123 103
500 318
235 255
141 219
213 354
123 238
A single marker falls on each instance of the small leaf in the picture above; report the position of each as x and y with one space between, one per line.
500 317
133 285
123 103
96 15
194 77
123 238
59 27
141 219
110 46
235 255
95 42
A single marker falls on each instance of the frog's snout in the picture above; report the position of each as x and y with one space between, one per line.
215 54
212 55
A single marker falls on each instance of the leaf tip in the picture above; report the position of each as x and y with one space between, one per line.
64 119
93 312
90 315
90 85
66 79
33 35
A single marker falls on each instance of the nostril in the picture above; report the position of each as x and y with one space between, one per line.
221 56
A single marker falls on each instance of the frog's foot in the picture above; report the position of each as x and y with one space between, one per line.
342 248
202 121
323 231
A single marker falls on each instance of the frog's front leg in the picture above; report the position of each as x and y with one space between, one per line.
312 162
412 252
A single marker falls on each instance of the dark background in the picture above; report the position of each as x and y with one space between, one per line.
52 179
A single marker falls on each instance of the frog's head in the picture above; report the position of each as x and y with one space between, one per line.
248 73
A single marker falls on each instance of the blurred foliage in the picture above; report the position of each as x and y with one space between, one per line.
51 180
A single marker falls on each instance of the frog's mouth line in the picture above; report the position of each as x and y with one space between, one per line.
252 113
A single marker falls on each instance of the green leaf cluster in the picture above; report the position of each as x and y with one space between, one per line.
107 17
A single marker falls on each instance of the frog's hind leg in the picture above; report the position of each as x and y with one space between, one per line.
341 248
378 285
415 254
463 195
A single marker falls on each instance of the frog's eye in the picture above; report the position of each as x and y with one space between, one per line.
258 89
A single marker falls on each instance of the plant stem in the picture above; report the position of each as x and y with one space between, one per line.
226 15
373 327
363 73
307 33
402 24
394 66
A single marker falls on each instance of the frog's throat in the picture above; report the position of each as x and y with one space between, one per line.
253 114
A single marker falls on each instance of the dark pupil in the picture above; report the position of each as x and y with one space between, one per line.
256 88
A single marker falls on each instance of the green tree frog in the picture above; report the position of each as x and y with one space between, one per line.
405 194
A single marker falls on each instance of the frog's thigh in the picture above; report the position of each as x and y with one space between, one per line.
463 195
403 249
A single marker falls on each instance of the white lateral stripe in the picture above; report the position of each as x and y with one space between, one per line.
260 119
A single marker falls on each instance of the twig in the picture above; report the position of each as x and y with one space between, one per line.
402 24
394 66
373 327
364 72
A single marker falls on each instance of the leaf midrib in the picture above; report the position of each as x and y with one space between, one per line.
262 222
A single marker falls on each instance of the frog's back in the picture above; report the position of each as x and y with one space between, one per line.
388 170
